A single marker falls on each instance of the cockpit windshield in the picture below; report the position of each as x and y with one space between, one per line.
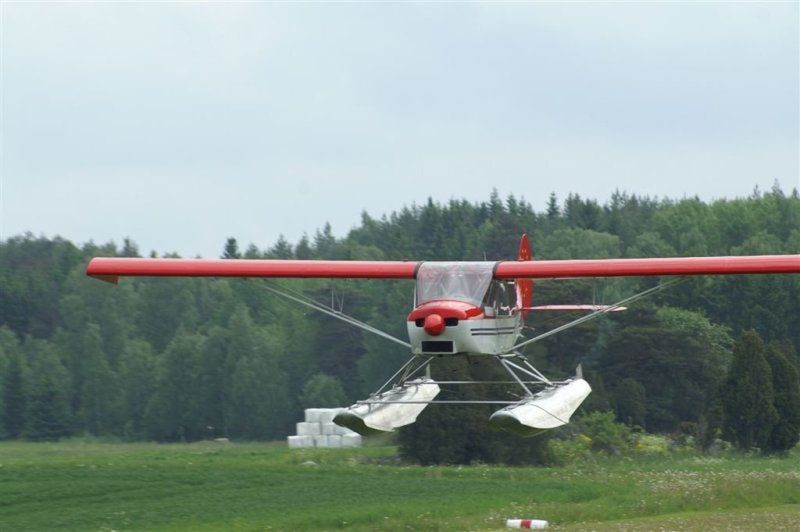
456 281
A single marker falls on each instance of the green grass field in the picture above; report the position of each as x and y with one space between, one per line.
78 485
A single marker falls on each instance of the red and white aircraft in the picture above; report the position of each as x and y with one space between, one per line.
461 308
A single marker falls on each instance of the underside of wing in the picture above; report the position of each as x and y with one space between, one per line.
554 269
111 269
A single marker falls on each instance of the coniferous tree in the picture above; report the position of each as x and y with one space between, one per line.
325 244
786 384
630 398
48 415
99 389
164 305
261 408
215 372
32 275
231 250
14 398
748 395
137 377
47 411
553 210
303 249
173 412
129 248
281 250
252 252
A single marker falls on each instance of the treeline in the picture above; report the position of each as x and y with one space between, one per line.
186 359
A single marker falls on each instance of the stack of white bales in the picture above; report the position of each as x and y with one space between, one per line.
319 430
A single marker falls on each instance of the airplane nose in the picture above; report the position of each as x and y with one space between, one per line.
434 324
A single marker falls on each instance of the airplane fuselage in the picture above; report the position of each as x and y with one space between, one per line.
474 335
460 308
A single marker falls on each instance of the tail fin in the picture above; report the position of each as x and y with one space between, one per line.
524 286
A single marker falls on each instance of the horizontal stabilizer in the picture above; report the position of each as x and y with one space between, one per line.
593 308
548 409
398 407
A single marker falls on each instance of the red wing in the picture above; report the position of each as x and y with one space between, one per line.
110 269
552 269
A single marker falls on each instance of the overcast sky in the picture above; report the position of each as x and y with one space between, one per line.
181 124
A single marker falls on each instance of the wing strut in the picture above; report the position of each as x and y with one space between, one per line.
599 312
304 300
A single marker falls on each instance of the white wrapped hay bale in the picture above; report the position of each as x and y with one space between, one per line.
351 440
333 428
300 442
332 413
312 415
319 430
305 428
320 440
343 430
321 415
330 429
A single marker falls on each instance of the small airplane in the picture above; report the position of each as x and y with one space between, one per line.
461 308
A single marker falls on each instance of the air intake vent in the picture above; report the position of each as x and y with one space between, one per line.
438 346
450 322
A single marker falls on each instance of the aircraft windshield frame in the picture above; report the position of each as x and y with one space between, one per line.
454 281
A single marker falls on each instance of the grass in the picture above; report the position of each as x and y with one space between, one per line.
88 485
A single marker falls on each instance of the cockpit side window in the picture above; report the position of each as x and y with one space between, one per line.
501 298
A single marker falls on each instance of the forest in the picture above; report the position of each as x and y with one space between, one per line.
710 360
